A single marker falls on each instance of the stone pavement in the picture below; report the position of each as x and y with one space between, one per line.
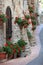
39 59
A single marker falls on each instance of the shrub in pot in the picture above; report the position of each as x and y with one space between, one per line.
3 18
3 54
17 50
22 44
9 51
8 48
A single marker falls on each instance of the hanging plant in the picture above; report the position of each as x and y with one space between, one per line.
25 23
34 25
34 22
32 17
19 22
3 18
31 9
29 34
27 17
33 28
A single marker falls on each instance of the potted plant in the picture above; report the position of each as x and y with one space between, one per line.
8 51
27 17
8 48
34 22
19 22
29 34
17 50
31 9
25 23
3 18
22 22
3 54
22 44
34 25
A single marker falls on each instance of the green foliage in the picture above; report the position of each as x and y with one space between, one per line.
1 50
25 22
34 28
27 16
32 17
21 43
29 34
8 50
19 21
34 22
31 9
3 17
9 43
17 48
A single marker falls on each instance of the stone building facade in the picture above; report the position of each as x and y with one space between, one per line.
17 8
14 8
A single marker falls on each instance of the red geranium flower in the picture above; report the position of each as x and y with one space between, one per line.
5 44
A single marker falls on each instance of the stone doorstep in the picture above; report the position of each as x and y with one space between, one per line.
24 60
4 60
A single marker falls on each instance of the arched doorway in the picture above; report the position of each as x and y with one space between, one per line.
8 23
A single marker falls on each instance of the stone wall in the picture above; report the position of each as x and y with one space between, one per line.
17 11
2 40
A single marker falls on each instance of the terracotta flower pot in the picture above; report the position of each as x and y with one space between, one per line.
5 44
3 55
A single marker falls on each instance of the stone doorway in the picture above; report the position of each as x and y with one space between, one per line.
9 23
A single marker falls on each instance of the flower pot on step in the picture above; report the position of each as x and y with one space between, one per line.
3 55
